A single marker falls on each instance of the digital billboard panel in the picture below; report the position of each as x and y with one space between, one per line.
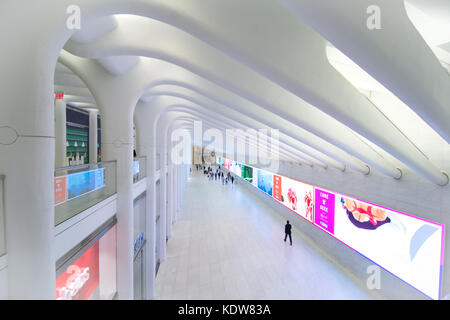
265 181
81 183
407 246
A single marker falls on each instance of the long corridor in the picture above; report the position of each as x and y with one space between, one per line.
227 244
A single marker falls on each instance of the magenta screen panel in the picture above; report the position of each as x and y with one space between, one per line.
409 247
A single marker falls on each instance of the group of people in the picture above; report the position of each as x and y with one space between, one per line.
216 174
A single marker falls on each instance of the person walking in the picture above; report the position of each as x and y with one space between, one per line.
287 231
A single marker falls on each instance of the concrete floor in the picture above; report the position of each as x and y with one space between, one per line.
227 244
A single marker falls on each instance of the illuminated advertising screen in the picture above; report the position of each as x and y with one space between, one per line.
255 177
81 278
135 167
84 182
231 165
92 275
406 246
226 164
237 169
77 184
265 181
247 173
409 247
295 195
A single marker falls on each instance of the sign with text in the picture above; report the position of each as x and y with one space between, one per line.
324 210
60 190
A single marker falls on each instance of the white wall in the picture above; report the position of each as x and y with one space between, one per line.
3 278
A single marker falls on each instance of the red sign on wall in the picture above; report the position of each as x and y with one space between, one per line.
80 279
277 187
60 190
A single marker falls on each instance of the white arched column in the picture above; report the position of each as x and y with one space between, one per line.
146 115
27 146
162 150
93 136
60 134
117 144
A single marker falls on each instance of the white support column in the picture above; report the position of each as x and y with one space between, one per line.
117 133
93 136
163 195
144 116
169 180
151 221
27 158
60 134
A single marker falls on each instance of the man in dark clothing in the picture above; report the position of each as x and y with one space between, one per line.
287 231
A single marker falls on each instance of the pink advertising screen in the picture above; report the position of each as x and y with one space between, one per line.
409 247
295 195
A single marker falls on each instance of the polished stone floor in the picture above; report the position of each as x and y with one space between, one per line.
227 244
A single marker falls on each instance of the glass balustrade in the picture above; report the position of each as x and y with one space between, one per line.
139 169
79 188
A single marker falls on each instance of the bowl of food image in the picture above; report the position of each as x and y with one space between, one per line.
363 215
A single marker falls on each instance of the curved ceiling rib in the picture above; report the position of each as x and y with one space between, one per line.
82 67
281 154
238 124
345 107
170 104
158 72
258 48
206 62
189 119
396 68
251 111
223 110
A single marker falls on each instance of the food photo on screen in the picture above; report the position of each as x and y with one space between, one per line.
406 246
298 196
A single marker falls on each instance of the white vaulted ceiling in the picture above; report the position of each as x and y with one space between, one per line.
291 65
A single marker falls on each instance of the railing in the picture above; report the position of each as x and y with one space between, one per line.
79 188
2 217
139 169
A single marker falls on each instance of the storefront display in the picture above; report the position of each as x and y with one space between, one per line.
81 278
92 274
77 135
